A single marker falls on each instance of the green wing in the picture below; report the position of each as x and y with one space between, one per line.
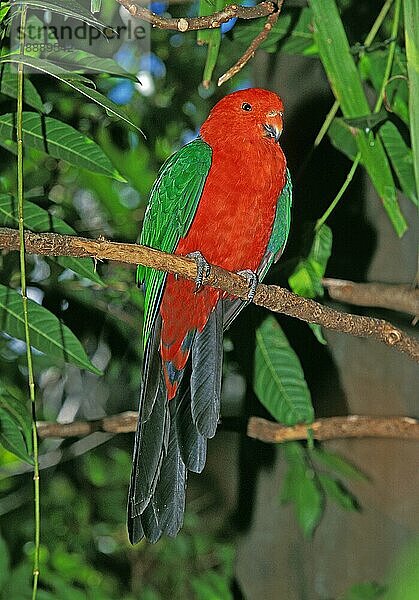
280 229
172 206
276 246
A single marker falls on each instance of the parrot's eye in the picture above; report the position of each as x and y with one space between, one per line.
246 106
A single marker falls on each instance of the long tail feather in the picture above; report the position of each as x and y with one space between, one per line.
207 361
171 436
193 445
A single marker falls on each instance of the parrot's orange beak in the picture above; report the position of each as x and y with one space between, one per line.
273 125
273 131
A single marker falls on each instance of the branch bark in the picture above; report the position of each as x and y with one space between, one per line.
212 21
254 45
354 426
402 298
323 429
271 297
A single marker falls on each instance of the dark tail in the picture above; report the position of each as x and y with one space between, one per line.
171 436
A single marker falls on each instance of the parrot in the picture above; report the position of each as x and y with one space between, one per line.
223 198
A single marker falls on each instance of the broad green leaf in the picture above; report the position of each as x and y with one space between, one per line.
11 401
306 280
95 5
411 27
47 333
343 138
365 591
4 9
278 377
300 487
346 84
12 438
210 37
4 559
58 140
318 333
338 464
368 122
79 59
372 67
73 80
8 86
401 158
69 8
334 490
39 220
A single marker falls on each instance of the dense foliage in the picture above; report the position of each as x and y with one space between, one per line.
87 170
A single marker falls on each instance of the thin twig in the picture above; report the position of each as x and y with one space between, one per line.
261 429
22 256
402 298
271 297
212 21
333 428
250 52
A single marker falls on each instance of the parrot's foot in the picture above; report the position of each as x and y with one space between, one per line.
253 281
203 269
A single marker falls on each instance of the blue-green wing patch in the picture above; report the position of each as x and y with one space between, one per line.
172 206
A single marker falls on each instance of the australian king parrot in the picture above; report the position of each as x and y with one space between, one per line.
224 198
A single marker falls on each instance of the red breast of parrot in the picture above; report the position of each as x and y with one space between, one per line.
227 195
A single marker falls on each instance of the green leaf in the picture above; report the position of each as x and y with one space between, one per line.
300 487
318 333
12 402
372 67
346 84
47 333
343 138
57 139
411 25
79 59
12 438
401 158
368 122
3 11
69 8
364 591
4 560
73 80
95 5
338 464
39 220
334 490
8 86
306 280
278 377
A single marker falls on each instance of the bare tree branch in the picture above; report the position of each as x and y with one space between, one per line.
261 429
402 298
250 51
271 297
333 428
194 23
